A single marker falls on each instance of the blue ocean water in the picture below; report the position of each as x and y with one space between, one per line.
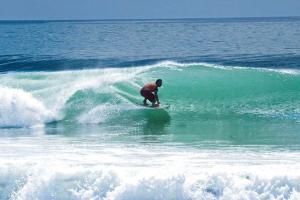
52 45
71 124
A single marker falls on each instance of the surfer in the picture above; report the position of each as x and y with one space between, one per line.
149 92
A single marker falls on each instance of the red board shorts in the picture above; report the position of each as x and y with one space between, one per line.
148 95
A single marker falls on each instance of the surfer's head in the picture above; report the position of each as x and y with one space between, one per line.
158 82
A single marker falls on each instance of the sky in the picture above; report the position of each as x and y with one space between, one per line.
144 9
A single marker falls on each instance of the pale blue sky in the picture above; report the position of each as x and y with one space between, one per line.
145 9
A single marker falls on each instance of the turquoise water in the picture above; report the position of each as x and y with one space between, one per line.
237 105
71 124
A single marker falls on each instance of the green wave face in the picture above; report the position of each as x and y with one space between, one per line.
240 105
205 103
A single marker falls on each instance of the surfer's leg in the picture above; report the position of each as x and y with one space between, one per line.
144 93
152 99
145 102
148 95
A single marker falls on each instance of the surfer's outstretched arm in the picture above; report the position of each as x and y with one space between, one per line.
156 97
158 84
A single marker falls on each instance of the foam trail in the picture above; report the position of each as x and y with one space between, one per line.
99 114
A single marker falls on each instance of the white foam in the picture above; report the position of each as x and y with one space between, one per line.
172 64
70 182
57 169
20 109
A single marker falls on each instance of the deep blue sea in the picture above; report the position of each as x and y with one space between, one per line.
72 125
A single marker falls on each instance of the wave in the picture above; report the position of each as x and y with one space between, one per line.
29 63
194 91
26 63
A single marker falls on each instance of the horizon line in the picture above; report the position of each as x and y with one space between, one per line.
148 19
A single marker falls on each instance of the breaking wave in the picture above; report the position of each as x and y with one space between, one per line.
193 91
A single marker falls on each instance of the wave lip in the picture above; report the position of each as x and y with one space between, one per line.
20 109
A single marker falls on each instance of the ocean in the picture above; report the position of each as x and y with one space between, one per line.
72 125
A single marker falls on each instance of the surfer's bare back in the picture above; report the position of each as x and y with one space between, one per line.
149 92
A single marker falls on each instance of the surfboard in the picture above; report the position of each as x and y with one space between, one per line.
164 106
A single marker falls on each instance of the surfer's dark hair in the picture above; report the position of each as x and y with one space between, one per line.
158 80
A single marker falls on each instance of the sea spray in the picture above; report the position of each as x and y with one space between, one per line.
20 109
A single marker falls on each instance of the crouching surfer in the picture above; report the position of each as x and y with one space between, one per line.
149 92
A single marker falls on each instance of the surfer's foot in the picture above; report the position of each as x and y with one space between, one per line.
145 103
155 105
